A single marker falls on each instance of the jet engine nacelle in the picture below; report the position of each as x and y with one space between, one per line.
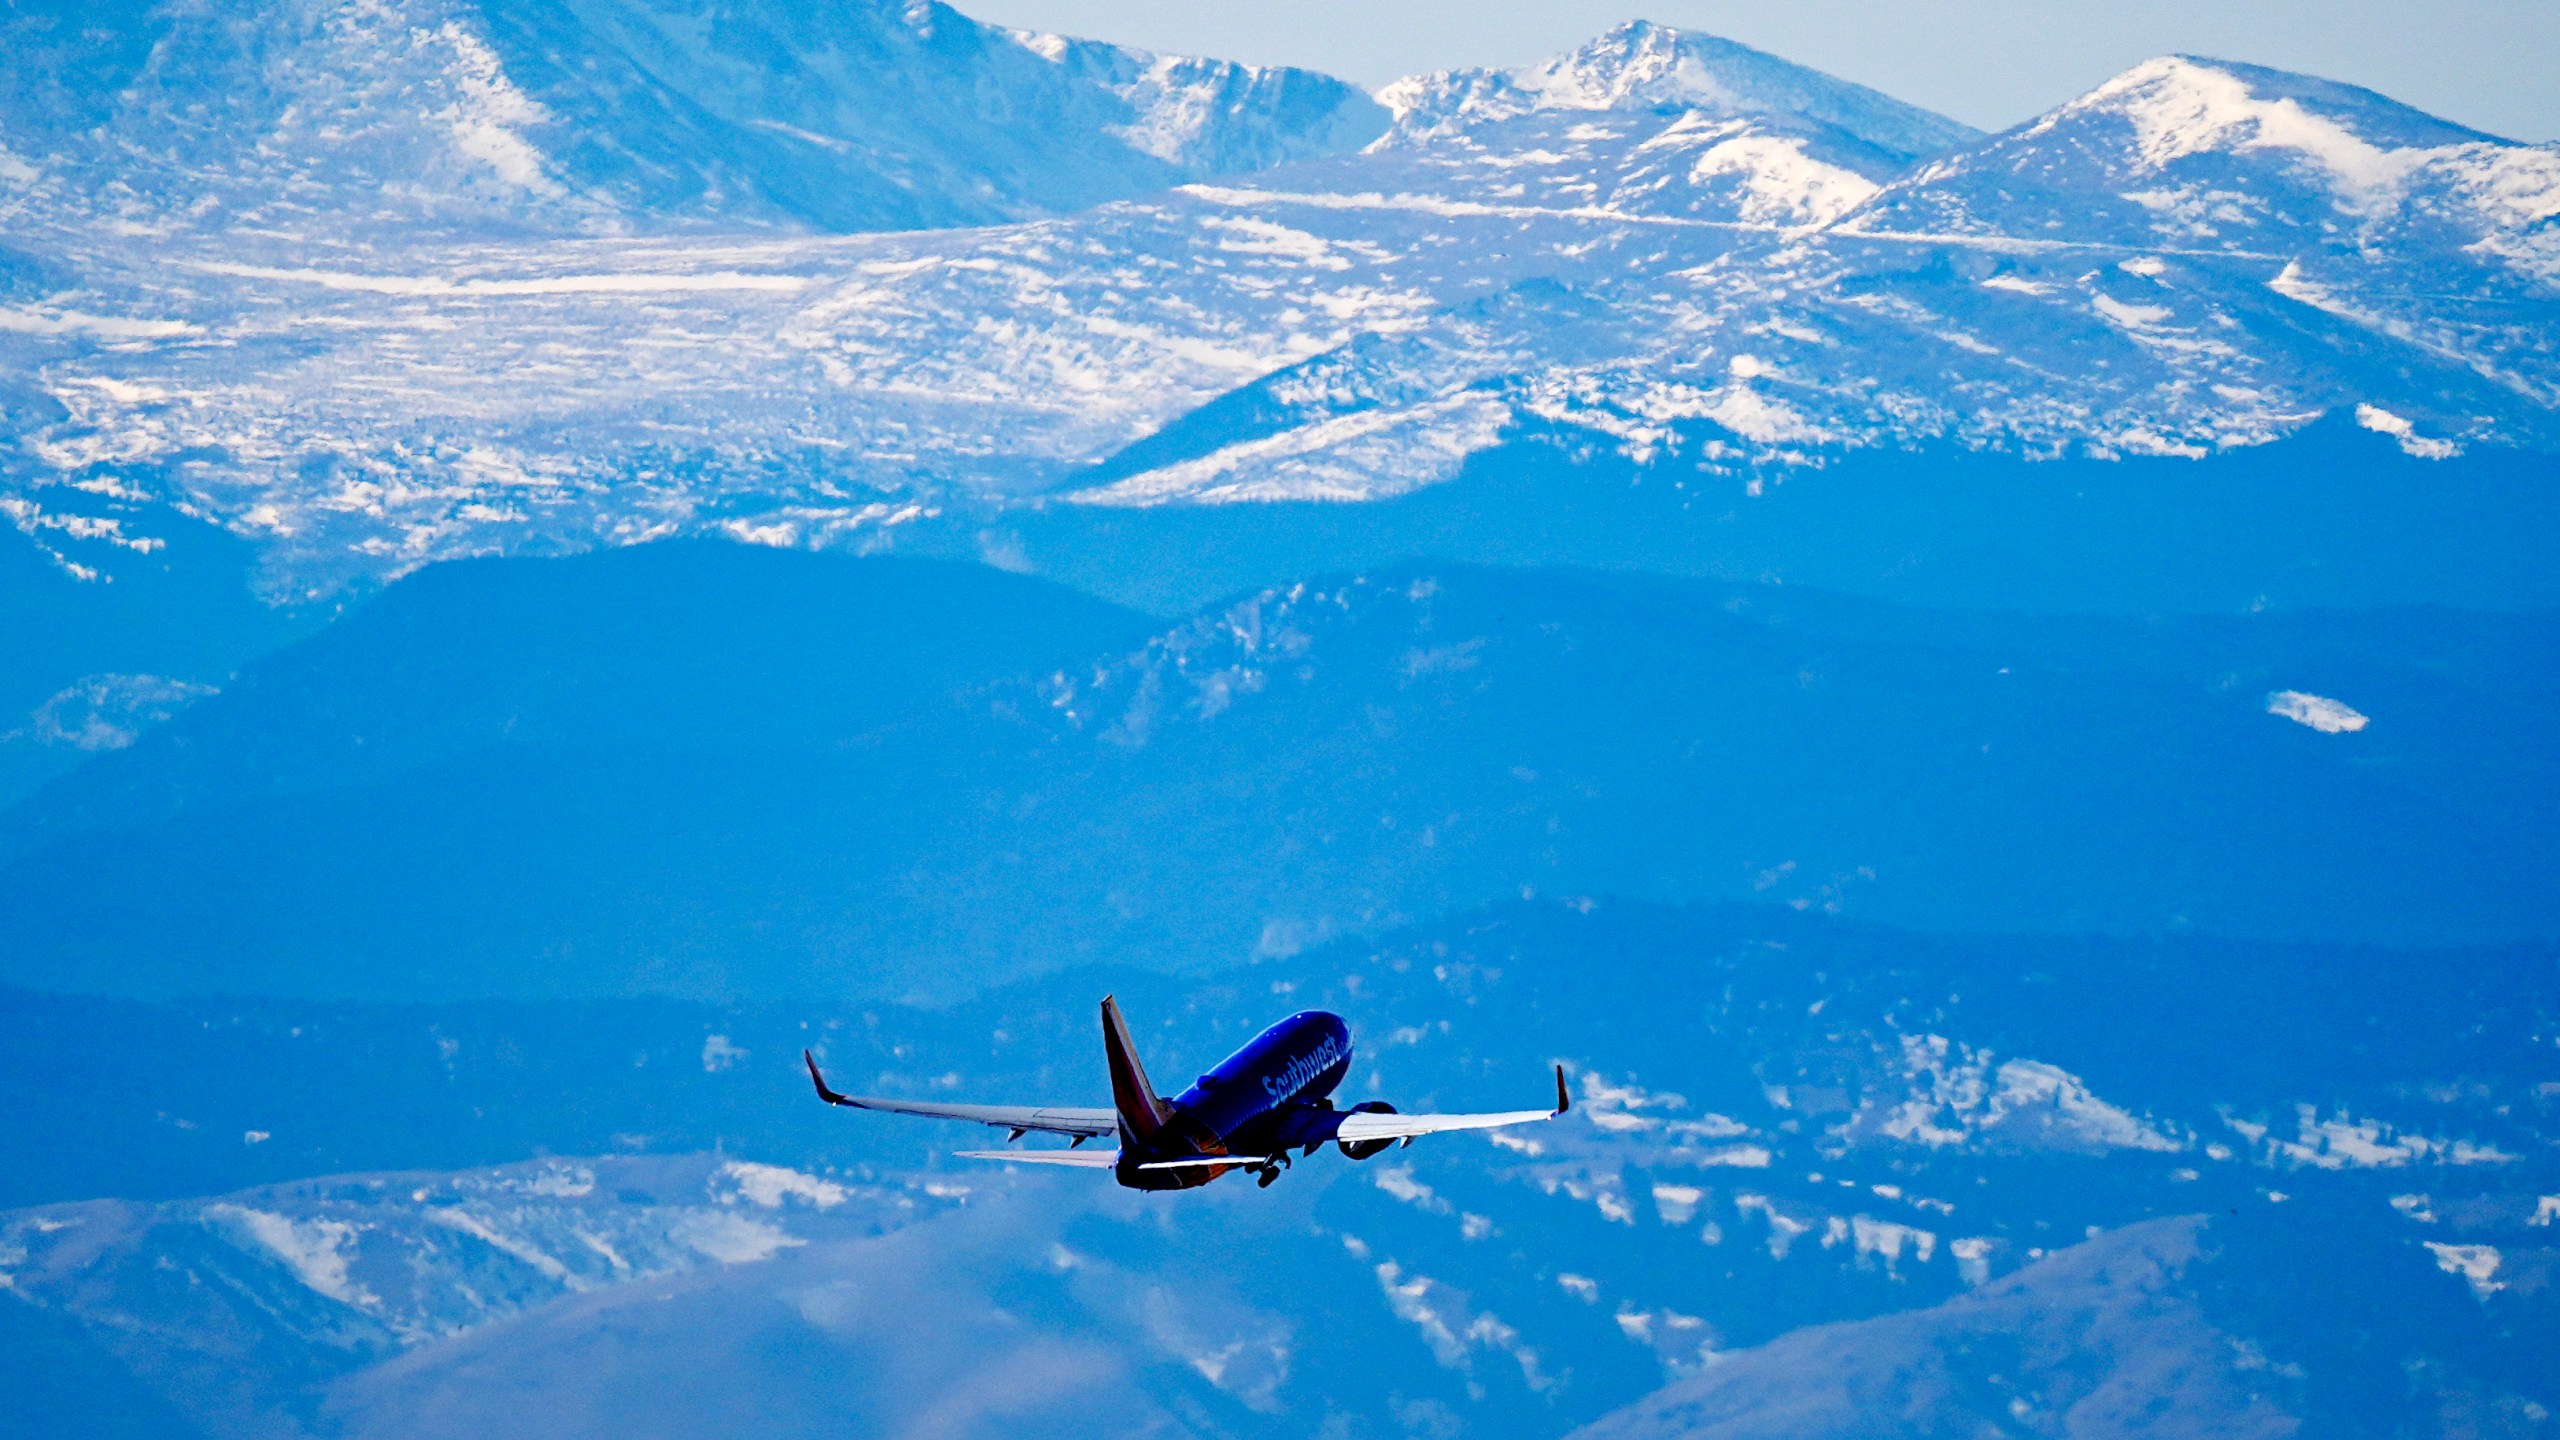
1363 1149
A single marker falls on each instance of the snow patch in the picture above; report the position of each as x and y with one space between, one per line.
2476 1264
1783 1228
1886 1239
2012 282
622 283
563 1183
2180 108
1782 185
109 712
1052 48
768 1186
731 1238
1741 1157
1958 1095
2343 1142
2329 717
2383 422
1364 455
483 118
1450 1327
455 1218
2416 1207
316 1251
2130 317
1398 1181
45 320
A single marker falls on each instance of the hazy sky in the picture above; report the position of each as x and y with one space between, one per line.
2491 64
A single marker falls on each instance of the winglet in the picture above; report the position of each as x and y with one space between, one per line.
1564 1101
820 1081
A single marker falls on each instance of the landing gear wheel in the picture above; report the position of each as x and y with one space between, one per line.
1264 1176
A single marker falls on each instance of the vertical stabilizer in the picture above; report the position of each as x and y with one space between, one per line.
1142 1112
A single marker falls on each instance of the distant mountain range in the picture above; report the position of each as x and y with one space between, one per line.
1824 1178
725 771
581 274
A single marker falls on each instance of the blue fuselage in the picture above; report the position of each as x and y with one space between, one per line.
1267 1097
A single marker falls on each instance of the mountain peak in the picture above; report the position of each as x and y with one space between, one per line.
1640 65
2184 105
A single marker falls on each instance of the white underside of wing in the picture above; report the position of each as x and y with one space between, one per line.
1369 1125
1052 1119
1193 1162
1106 1159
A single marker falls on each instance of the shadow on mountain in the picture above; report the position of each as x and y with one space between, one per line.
578 778
2333 517
104 639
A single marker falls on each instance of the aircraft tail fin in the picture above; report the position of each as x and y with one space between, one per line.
1142 1111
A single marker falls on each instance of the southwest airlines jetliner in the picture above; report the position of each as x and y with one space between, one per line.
1267 1099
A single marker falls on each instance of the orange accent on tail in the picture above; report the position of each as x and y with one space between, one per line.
1142 1111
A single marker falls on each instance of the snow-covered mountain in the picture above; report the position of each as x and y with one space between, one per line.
1689 259
1641 66
2192 258
312 116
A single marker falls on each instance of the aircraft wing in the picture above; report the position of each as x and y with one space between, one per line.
1081 1159
1106 1159
1056 1119
1387 1125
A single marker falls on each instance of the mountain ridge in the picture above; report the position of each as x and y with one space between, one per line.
599 117
1731 299
1641 65
1321 759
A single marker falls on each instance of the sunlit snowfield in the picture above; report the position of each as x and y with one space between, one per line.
2193 257
1990 699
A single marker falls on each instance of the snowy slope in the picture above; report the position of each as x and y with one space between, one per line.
1664 248
1641 66
306 116
2375 218
2075 286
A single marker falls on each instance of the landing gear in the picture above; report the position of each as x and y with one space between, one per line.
1264 1176
1325 1105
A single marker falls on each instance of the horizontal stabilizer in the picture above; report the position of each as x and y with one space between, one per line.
1080 1159
1053 1119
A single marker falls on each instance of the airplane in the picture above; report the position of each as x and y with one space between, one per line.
1247 1113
